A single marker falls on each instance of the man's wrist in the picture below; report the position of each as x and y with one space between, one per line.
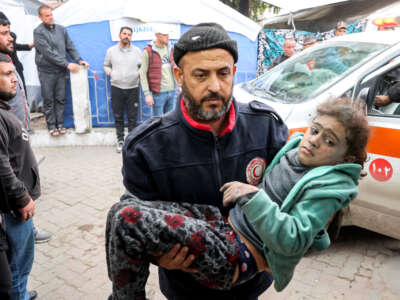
147 93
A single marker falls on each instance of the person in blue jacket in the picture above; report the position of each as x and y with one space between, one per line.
272 226
189 153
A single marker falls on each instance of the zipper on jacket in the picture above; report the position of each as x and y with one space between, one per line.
218 160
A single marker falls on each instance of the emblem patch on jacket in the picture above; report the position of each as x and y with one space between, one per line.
255 170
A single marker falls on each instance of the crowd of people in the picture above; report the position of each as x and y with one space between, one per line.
222 209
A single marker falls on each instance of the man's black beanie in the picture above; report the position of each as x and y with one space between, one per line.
3 16
204 36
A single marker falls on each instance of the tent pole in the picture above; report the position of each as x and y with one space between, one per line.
291 21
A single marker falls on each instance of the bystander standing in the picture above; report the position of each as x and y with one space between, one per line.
20 183
156 74
52 44
289 49
122 64
18 104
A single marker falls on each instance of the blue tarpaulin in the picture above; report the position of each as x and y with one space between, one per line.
270 42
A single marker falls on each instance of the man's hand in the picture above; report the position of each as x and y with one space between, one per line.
234 189
28 211
149 100
84 63
382 100
73 67
176 259
31 45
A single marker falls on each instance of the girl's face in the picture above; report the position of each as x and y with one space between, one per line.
324 143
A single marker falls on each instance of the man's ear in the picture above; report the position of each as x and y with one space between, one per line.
178 73
234 69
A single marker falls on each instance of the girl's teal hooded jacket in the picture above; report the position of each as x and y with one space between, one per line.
288 232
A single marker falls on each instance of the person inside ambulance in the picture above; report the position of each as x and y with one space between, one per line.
393 95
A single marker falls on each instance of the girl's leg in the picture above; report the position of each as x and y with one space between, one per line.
138 229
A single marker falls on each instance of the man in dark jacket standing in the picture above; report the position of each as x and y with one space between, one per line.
52 44
19 182
189 153
289 49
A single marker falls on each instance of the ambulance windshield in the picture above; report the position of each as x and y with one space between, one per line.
312 71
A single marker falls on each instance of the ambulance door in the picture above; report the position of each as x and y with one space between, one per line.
377 206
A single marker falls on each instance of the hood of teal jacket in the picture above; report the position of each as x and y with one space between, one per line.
338 182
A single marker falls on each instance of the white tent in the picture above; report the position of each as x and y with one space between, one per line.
171 11
293 6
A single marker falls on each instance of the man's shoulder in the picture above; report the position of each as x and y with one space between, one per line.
59 27
3 113
137 49
39 28
150 127
7 118
276 59
149 48
113 48
257 108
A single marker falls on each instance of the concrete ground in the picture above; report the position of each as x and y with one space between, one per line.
80 183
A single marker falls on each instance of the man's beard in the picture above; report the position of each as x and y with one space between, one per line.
6 96
196 109
7 50
125 42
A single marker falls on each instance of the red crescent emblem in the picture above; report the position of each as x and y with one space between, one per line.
255 170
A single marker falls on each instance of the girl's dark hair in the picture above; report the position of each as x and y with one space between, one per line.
352 115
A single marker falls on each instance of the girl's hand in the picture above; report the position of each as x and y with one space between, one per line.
234 189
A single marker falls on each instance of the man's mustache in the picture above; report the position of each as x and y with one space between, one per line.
212 96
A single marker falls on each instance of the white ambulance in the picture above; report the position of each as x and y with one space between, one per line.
360 65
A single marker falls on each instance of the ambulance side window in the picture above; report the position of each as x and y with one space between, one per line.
348 93
385 85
